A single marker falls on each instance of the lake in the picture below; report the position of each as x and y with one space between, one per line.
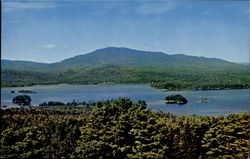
221 102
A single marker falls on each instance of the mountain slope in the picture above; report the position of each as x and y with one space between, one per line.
123 65
166 79
129 57
24 65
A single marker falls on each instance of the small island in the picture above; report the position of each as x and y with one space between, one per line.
4 106
26 92
22 100
176 99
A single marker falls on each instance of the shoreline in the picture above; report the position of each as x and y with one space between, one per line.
159 111
165 90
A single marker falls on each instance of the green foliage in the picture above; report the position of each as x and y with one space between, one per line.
42 132
22 100
119 129
125 57
176 99
14 78
124 65
228 139
164 79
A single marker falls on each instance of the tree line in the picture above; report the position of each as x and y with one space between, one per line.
119 129
163 79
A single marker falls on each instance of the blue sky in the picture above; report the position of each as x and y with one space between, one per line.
50 31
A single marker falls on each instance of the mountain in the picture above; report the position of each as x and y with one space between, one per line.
128 57
24 65
123 65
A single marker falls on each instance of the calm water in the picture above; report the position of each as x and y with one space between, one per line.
221 102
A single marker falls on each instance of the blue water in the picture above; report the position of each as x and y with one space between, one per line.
221 102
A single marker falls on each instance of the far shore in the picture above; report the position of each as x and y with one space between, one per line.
111 83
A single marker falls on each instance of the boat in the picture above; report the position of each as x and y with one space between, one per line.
204 100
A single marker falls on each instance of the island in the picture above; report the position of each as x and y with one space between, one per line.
26 92
4 106
176 99
22 100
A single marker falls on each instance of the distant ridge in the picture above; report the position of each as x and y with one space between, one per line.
23 65
123 65
120 56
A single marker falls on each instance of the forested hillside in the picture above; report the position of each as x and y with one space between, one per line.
123 65
128 57
13 78
158 78
119 129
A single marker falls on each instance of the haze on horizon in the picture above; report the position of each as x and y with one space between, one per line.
55 30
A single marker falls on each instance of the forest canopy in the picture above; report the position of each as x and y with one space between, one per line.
157 78
119 129
179 99
23 100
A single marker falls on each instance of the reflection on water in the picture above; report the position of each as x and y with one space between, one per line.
220 101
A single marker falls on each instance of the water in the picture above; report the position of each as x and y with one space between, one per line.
221 102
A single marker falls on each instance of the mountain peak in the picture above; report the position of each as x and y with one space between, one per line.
122 56
118 50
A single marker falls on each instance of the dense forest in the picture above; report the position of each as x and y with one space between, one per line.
119 129
115 65
163 79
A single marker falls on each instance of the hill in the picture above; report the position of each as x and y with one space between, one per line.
123 65
129 57
23 65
